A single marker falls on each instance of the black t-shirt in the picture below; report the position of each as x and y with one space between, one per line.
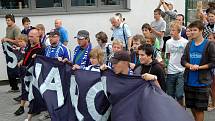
153 68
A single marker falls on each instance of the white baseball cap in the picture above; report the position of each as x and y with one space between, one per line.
169 1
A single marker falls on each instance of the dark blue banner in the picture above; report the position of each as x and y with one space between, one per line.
91 96
11 59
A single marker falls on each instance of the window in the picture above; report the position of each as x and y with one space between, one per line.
56 6
83 2
110 2
14 4
48 3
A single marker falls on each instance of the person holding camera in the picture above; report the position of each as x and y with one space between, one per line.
169 15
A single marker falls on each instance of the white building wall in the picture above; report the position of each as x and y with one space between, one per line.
141 12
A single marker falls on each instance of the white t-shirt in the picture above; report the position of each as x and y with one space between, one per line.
176 49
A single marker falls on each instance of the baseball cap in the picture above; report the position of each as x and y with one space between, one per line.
120 56
53 32
82 34
169 2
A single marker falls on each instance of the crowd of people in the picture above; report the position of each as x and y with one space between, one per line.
179 59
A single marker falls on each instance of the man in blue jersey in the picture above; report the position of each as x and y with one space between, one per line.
56 49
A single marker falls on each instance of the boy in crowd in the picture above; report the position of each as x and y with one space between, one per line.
211 106
158 27
174 51
147 31
103 44
44 40
149 68
210 27
20 50
137 40
198 60
117 45
12 32
26 24
169 16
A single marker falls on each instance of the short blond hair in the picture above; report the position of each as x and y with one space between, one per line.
175 24
98 54
40 26
23 37
117 42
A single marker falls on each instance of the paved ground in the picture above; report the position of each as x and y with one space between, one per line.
8 106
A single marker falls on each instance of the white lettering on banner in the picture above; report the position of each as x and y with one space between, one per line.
34 81
29 78
10 54
54 75
74 97
90 99
56 86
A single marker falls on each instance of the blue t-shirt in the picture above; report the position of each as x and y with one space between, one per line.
59 51
196 53
63 35
118 33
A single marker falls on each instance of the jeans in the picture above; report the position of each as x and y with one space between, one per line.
175 85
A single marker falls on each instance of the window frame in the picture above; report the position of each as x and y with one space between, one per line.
66 9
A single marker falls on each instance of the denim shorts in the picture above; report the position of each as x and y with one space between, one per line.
175 85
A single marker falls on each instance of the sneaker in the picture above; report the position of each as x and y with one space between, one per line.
26 119
210 108
18 99
44 116
19 111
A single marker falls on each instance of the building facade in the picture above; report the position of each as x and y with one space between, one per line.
92 15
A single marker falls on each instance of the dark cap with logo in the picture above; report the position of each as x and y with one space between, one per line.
53 32
82 34
120 56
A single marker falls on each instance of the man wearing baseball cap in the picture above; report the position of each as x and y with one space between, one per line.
120 62
53 32
56 49
82 34
121 65
81 52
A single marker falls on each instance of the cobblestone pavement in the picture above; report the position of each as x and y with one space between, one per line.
8 107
